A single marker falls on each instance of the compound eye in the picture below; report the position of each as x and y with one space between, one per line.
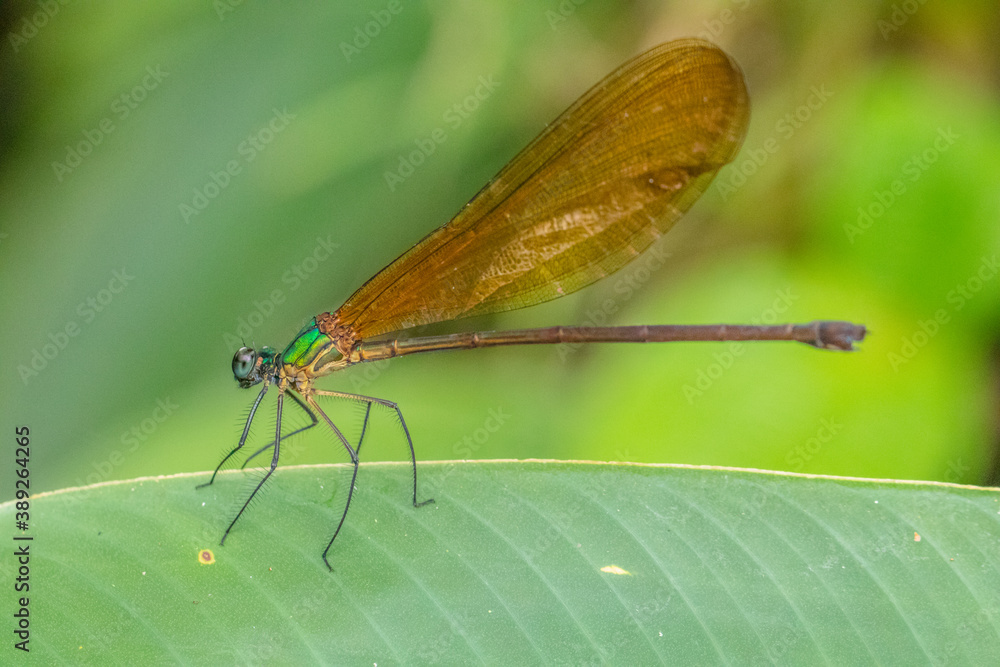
244 362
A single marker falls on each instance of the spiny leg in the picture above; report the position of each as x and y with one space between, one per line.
243 438
354 474
274 464
406 431
288 435
364 426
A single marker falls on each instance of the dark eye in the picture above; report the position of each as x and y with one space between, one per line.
244 362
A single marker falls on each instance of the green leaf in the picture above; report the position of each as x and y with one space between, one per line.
518 563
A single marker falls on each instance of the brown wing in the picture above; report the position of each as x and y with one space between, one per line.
596 188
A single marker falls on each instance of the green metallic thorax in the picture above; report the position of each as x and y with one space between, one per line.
309 353
308 344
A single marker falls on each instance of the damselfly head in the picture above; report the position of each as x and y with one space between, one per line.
249 365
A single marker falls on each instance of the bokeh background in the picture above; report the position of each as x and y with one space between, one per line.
132 263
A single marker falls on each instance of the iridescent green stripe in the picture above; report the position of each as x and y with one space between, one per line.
302 351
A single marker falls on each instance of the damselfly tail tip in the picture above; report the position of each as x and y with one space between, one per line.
835 335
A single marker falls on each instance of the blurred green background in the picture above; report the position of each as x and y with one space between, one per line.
132 263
